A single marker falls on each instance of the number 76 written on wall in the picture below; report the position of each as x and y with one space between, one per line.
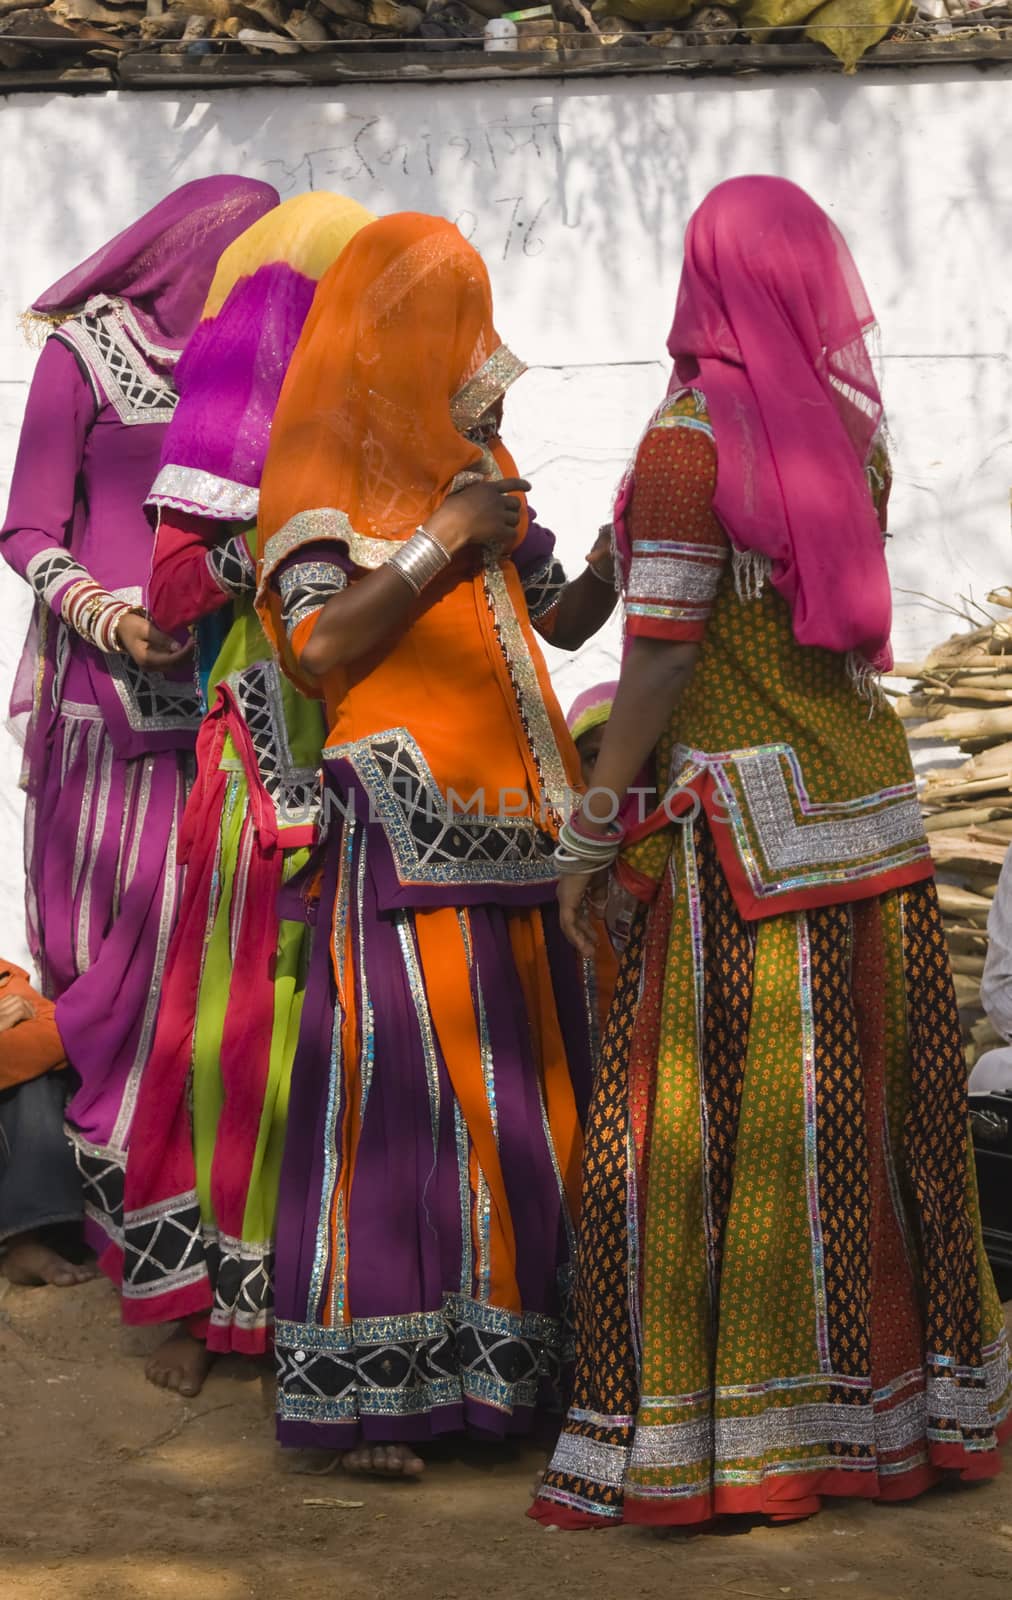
521 227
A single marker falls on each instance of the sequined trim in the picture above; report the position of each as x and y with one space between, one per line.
487 386
162 1249
153 703
305 588
191 489
423 1016
402 1366
231 566
162 931
555 786
122 312
589 1458
670 577
694 901
293 791
430 842
367 1016
543 588
811 1143
314 527
787 841
102 1172
167 1248
894 1422
337 934
50 571
119 373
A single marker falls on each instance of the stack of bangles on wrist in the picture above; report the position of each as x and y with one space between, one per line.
420 559
95 614
580 852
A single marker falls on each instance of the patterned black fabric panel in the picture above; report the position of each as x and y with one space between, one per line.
138 394
231 568
153 702
405 1365
543 588
294 791
50 570
433 837
305 588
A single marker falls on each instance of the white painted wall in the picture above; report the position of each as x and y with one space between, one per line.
577 196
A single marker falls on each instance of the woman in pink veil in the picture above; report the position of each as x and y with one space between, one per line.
782 1292
111 703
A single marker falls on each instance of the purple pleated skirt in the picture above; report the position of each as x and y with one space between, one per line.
102 880
392 1324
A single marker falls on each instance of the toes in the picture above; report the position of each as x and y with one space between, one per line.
383 1461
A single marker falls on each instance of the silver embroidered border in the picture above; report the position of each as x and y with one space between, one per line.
489 384
188 488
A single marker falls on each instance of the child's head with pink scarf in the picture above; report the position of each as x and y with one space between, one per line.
586 720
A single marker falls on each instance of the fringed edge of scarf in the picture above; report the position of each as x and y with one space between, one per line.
36 326
866 681
751 573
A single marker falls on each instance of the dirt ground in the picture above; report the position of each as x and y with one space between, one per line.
113 1490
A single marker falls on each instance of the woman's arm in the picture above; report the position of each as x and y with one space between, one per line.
58 417
586 602
199 565
654 674
673 577
366 613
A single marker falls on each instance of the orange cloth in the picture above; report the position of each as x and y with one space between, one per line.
33 1047
398 358
372 414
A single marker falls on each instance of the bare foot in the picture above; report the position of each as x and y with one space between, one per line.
30 1263
181 1363
383 1461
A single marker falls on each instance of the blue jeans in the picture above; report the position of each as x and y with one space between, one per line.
39 1183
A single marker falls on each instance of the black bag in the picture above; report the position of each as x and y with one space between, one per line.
991 1122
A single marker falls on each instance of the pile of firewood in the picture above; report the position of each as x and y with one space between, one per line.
962 693
99 33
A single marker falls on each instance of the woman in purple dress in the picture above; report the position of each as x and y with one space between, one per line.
111 703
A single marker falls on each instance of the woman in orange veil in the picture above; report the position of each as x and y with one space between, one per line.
432 1168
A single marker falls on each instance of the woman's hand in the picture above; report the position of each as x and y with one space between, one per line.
602 555
15 1008
582 898
482 514
152 649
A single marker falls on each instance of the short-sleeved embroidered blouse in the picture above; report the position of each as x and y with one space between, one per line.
808 787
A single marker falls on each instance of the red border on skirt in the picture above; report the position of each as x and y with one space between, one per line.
784 1499
773 903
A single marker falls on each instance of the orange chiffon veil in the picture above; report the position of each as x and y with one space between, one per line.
398 358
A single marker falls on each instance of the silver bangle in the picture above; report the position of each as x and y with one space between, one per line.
420 559
576 854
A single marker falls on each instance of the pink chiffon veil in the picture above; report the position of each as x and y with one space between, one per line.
770 323
161 267
162 264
